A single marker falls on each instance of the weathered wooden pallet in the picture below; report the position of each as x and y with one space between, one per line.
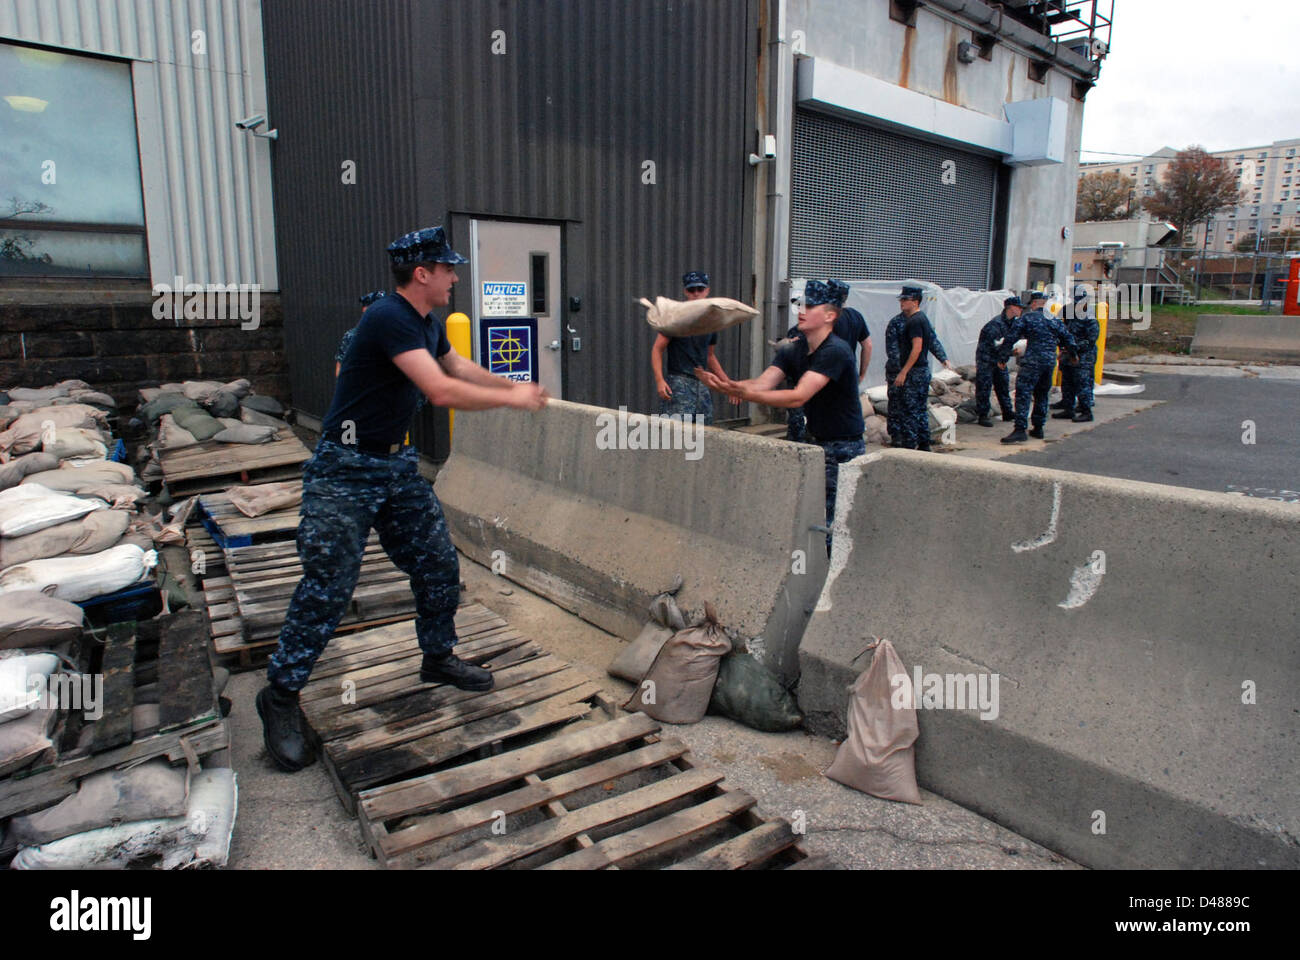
541 771
229 527
170 656
199 541
263 578
210 466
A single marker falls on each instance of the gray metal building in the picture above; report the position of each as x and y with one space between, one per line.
624 128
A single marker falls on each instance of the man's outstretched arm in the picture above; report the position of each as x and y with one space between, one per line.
445 391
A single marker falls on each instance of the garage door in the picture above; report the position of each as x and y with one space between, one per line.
872 204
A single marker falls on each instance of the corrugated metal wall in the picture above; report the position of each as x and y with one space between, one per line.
556 128
206 184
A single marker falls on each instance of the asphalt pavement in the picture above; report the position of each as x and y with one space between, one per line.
1229 434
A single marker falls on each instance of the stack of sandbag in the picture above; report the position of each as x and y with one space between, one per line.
183 414
163 821
82 577
24 399
103 479
30 429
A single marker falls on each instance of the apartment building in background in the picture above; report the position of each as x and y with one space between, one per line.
1269 176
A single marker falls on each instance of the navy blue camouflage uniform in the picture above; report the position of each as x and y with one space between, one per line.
1034 377
690 397
894 364
362 476
851 327
989 377
914 395
1077 379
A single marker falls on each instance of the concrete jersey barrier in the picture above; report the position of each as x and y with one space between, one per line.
541 499
1246 337
1144 639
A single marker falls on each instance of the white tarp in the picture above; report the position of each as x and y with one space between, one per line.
957 315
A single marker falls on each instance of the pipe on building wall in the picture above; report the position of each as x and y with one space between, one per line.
986 16
781 112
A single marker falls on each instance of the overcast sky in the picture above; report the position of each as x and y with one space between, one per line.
1182 72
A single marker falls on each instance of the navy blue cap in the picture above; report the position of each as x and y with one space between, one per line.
912 293
424 246
815 293
1012 302
375 295
839 290
1033 295
696 278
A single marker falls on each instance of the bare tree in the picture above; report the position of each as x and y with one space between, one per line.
1194 187
1104 196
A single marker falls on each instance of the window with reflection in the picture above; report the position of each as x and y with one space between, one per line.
71 204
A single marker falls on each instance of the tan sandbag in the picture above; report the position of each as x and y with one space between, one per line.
73 443
879 756
635 660
38 394
70 478
22 679
29 620
78 578
679 684
90 534
172 435
27 432
13 472
94 397
26 739
255 500
150 791
258 419
119 496
690 318
197 390
867 409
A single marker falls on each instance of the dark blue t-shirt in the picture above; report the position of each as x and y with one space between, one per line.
684 354
834 412
372 391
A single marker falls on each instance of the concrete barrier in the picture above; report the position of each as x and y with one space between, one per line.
602 531
1246 337
1144 638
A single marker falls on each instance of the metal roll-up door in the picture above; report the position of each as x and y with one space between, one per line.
872 204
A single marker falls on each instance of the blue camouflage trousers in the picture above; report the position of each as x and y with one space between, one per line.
690 398
344 494
796 425
837 452
1033 384
914 403
990 379
1077 382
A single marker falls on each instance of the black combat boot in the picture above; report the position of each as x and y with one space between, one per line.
452 670
985 421
1083 416
1063 415
1059 405
1008 417
1036 433
1016 436
924 447
284 729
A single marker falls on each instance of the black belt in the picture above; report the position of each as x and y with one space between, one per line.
374 450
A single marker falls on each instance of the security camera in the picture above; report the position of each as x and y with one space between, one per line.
1100 48
769 151
251 123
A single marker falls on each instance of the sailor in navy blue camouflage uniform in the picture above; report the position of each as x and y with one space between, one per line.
1077 378
366 300
1034 378
851 327
914 346
362 476
826 386
673 361
989 377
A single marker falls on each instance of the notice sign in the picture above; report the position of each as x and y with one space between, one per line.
505 299
509 349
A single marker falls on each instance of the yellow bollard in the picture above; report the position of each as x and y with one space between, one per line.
459 334
1103 314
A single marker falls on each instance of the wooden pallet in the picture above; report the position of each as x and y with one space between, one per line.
434 774
229 527
169 652
263 578
210 465
199 540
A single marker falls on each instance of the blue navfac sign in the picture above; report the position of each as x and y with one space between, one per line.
509 349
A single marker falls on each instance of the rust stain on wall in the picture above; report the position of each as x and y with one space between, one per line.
905 66
950 89
1011 77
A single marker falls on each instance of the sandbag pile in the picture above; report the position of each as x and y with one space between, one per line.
66 510
952 401
183 414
